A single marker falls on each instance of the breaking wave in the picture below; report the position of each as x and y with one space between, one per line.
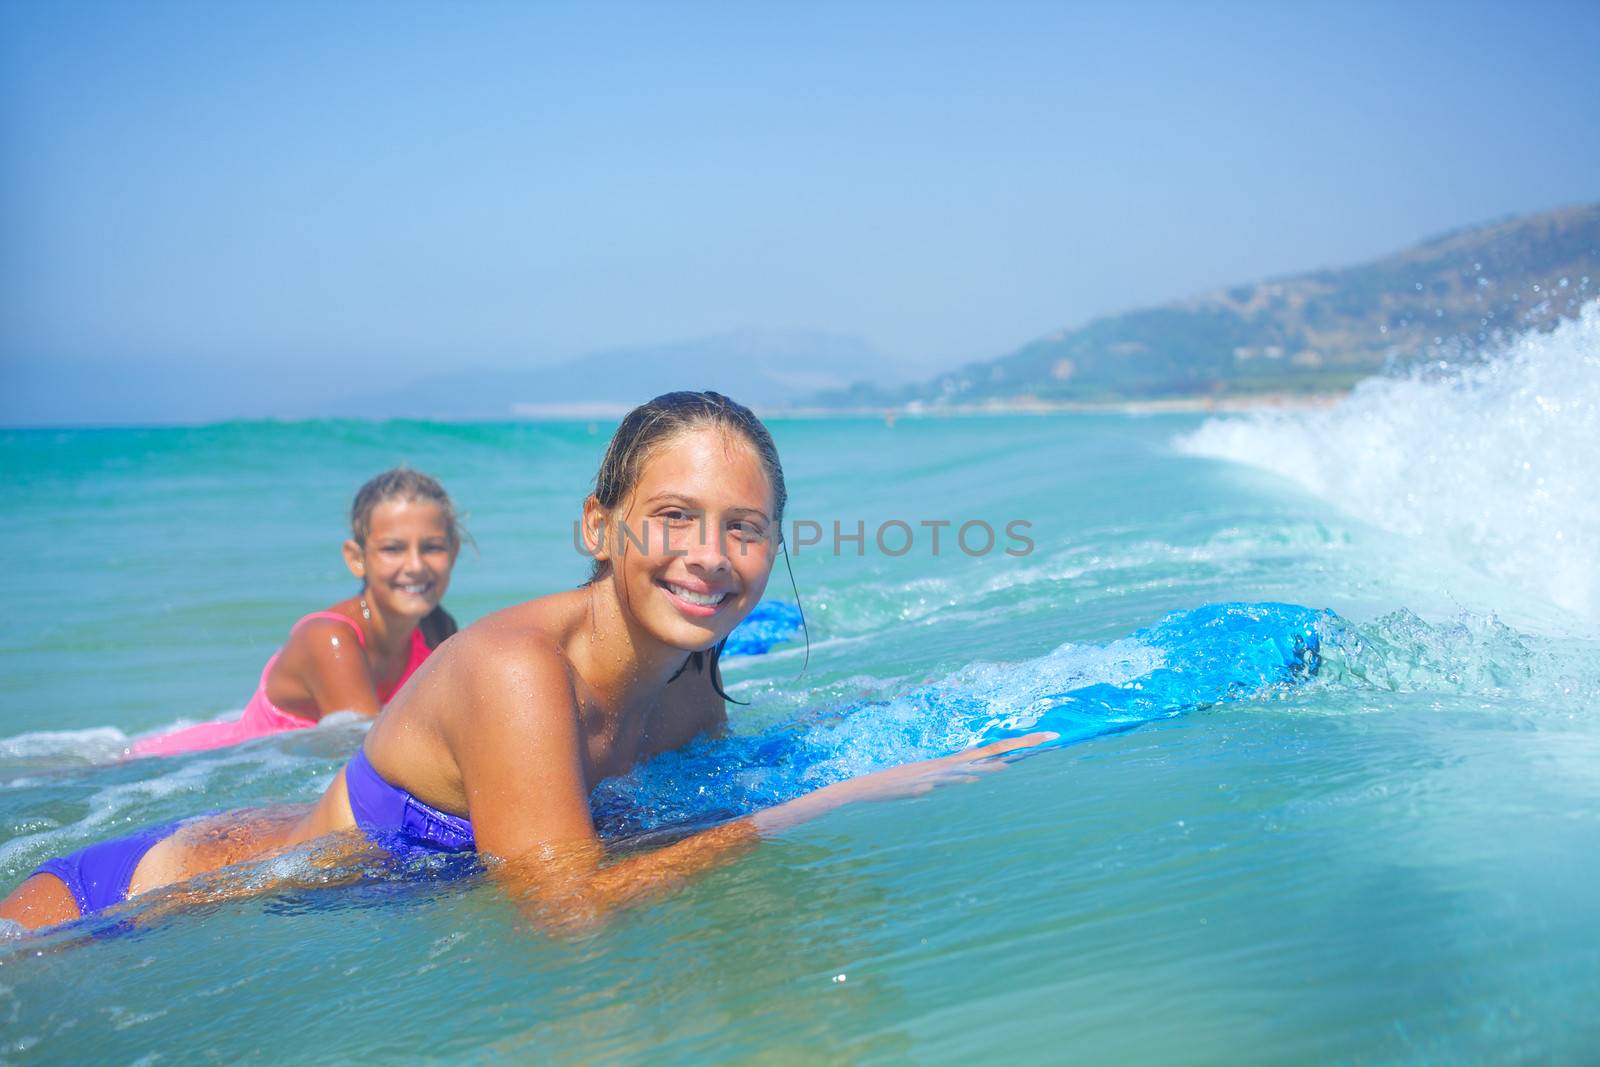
1492 460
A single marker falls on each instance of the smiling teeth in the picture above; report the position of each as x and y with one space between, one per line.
703 599
414 588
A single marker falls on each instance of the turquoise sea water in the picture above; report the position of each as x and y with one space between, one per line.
1390 859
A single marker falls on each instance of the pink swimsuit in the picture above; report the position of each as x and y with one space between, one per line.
261 716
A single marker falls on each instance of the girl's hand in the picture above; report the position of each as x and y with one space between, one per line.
910 780
915 779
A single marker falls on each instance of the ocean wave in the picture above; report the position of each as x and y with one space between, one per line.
52 751
59 810
1470 655
94 745
119 805
1490 460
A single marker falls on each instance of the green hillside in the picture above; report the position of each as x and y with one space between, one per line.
1309 333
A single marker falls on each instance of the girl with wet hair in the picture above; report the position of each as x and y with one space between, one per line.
355 656
642 431
499 740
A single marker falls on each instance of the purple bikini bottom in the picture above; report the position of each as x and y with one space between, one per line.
98 876
392 818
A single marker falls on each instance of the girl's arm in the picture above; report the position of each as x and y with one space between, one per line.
323 659
522 766
571 890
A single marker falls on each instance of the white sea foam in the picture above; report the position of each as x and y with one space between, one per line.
105 806
57 749
1469 655
172 788
1494 461
92 745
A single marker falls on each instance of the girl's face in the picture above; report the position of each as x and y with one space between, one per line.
407 558
697 540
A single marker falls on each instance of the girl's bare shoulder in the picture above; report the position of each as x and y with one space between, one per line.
546 622
333 626
517 646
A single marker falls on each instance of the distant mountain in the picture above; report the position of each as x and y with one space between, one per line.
1307 333
769 370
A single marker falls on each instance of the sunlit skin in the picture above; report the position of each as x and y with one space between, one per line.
515 720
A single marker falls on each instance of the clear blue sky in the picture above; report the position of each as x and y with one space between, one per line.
345 195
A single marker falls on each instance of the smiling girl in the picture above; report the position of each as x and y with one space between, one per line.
357 654
499 740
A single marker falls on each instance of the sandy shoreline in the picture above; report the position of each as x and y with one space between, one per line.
1224 405
916 409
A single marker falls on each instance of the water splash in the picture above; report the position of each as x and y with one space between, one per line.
1470 655
1492 460
55 748
1188 660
